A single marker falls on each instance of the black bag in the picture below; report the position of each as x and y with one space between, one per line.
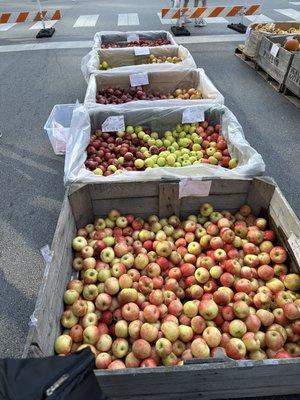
53 378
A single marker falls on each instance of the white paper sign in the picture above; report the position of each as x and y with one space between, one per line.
133 37
114 124
190 188
139 79
192 114
248 30
294 242
141 51
274 50
290 38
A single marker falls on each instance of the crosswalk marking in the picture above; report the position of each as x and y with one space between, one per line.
39 25
259 18
166 21
6 27
289 12
86 20
128 19
216 20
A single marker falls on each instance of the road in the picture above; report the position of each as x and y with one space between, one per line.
32 81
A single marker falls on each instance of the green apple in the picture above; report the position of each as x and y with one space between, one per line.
170 160
161 161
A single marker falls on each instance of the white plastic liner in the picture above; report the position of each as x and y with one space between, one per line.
58 126
124 60
164 81
86 120
104 37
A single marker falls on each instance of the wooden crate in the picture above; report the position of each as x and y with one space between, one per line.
292 81
253 41
276 67
208 379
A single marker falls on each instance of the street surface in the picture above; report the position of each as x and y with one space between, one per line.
33 81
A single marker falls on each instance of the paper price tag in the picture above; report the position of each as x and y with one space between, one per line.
290 38
274 50
46 253
114 124
190 188
193 114
133 37
141 51
139 79
248 30
294 242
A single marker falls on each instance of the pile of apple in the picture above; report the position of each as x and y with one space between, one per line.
117 95
139 43
152 59
138 149
162 291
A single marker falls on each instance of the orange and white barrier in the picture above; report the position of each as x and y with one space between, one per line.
207 12
25 16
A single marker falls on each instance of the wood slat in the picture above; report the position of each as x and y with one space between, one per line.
139 206
208 381
82 207
260 194
231 202
50 299
228 186
168 199
123 190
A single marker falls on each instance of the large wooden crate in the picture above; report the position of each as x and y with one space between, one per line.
252 43
292 81
205 379
276 67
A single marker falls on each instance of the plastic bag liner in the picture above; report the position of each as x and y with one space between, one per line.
57 126
88 119
162 81
122 60
104 37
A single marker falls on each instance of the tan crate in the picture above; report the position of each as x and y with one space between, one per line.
205 379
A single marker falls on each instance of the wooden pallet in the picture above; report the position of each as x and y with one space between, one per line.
291 97
242 56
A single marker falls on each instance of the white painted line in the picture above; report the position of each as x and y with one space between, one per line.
39 25
47 46
289 12
89 43
295 3
216 20
6 27
86 20
128 19
209 39
166 21
259 18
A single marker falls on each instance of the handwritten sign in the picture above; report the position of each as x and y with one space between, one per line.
139 79
114 124
192 114
141 51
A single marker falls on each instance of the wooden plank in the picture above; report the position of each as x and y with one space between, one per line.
139 206
123 190
49 303
260 194
283 214
228 186
82 207
230 202
293 77
209 381
168 201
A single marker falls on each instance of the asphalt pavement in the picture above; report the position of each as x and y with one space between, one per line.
31 176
